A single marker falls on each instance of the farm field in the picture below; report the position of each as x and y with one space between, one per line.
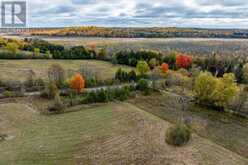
18 69
109 132
194 46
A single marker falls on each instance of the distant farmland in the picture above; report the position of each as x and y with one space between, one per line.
195 46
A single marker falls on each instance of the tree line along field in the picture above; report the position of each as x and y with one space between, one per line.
19 69
137 32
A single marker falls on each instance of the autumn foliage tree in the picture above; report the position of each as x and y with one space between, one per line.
165 67
77 83
142 68
183 61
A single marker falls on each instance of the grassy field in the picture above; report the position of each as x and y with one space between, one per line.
109 134
226 130
18 69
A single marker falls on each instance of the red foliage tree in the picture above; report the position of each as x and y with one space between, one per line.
165 67
77 83
183 61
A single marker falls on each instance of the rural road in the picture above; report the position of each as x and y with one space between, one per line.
28 94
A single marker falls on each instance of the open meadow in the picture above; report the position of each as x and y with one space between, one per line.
102 134
19 69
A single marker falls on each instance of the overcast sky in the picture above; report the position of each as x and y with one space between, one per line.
137 13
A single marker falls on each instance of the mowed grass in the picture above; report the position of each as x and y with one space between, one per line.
19 69
224 129
115 133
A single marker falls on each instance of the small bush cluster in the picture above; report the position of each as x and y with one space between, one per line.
124 76
131 58
170 59
107 95
143 85
9 94
178 135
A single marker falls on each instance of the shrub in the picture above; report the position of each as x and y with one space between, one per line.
178 135
12 85
178 79
143 85
121 75
102 96
142 67
36 52
245 73
170 60
153 63
77 83
91 78
124 76
102 54
122 93
56 74
9 94
132 76
12 48
91 82
114 60
91 97
106 95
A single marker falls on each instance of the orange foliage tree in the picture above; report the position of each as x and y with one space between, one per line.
77 83
183 61
165 67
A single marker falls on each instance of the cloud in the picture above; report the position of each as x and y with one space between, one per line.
188 13
222 2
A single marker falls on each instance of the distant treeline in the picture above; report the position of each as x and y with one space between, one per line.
92 31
